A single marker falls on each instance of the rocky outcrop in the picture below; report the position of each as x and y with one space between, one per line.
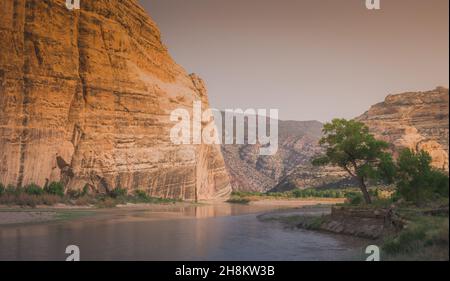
85 98
361 222
416 120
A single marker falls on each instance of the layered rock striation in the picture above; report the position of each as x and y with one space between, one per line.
415 120
85 98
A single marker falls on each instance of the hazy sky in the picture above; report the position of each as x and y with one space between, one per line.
311 59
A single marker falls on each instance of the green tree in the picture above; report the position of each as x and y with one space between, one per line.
349 145
55 188
417 180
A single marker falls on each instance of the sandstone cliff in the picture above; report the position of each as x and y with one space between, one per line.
416 120
85 98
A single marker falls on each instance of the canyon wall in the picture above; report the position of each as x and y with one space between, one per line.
415 120
86 97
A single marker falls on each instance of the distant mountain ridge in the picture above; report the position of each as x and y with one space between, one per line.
250 171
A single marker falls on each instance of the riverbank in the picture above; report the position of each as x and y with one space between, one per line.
403 232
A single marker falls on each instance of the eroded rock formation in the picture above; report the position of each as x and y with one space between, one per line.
416 120
85 98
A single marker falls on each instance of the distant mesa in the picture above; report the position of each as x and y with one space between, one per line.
416 120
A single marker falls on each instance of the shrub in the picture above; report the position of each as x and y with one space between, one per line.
237 200
417 180
12 190
55 188
33 189
118 192
2 189
354 198
297 193
85 190
439 183
141 195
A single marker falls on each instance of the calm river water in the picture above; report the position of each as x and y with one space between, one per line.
190 233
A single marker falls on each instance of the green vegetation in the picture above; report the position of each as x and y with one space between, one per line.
33 195
55 188
294 194
349 145
317 193
425 237
353 195
417 181
118 192
33 189
238 200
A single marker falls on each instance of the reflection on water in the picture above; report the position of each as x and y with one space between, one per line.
216 232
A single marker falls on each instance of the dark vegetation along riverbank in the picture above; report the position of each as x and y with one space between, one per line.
54 193
332 195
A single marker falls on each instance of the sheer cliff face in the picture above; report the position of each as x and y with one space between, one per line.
416 120
85 98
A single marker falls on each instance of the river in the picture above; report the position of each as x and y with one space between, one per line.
189 233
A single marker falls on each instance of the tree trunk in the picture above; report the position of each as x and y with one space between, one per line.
364 191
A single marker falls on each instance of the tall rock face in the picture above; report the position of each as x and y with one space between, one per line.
249 171
416 120
86 97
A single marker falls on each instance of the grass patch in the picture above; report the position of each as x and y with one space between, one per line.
238 200
70 215
424 238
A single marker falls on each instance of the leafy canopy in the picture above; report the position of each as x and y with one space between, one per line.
417 180
350 146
